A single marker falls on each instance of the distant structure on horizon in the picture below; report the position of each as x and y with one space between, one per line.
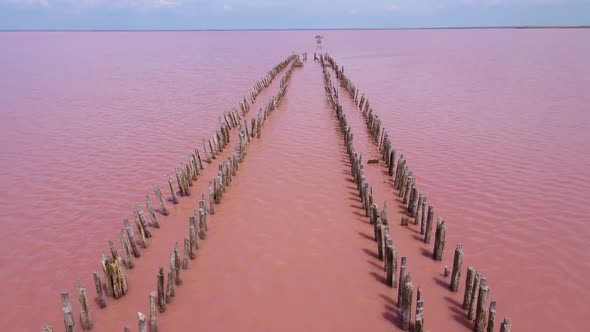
318 46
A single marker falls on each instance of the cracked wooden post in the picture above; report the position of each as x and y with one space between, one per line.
161 295
202 229
141 233
99 294
126 249
150 208
131 238
193 240
428 231
506 325
482 308
67 309
186 253
389 262
491 317
142 322
406 305
457 262
439 240
473 298
170 285
84 312
402 278
384 213
419 324
143 223
418 209
153 316
177 265
423 217
391 162
172 191
211 198
468 287
163 208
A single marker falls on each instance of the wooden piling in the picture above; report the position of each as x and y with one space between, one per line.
474 293
151 211
446 271
419 324
457 261
161 295
170 293
402 278
439 242
140 233
126 249
429 219
468 287
177 265
423 217
142 322
506 325
406 305
141 217
482 307
131 238
172 191
99 295
418 209
84 312
163 208
193 240
202 229
153 316
67 309
491 317
186 252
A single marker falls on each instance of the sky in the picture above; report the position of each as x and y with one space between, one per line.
286 14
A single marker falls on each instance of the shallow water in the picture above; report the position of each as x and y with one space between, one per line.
493 123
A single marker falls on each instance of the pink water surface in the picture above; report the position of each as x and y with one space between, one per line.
494 123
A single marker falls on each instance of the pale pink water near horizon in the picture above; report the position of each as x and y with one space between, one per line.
494 123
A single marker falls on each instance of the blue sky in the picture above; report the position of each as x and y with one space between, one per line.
286 14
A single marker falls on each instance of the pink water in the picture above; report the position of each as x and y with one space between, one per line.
494 123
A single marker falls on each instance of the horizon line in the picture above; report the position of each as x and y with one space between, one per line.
306 29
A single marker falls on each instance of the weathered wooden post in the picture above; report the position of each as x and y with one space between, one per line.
424 214
126 249
482 307
468 287
153 316
67 309
160 287
172 191
84 312
446 271
418 209
170 285
211 198
419 325
389 253
163 208
142 322
428 231
99 295
506 325
457 261
474 293
186 252
193 239
439 242
177 265
402 278
131 237
491 317
406 306
148 204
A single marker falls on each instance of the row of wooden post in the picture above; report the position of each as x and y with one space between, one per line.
114 265
416 201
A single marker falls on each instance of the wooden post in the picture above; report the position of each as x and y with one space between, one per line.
67 309
151 211
418 209
428 231
468 287
193 240
177 265
170 285
406 306
131 237
419 325
46 328
126 329
142 221
457 261
172 191
186 254
161 295
423 217
153 316
482 308
202 229
474 293
506 325
99 295
491 317
142 322
439 242
140 232
211 198
126 250
446 271
402 278
84 312
163 208
384 213
389 262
